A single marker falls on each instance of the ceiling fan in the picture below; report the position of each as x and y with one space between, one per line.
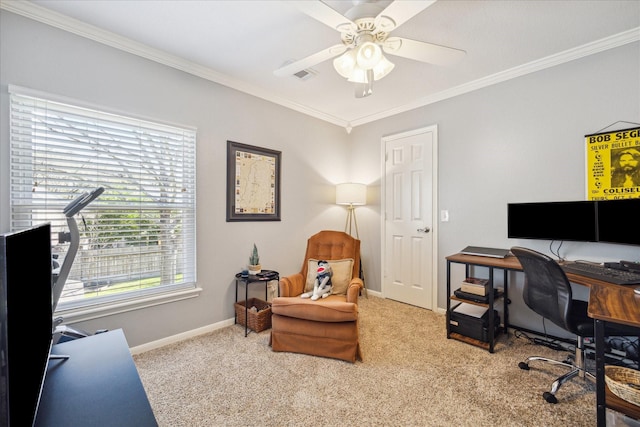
365 32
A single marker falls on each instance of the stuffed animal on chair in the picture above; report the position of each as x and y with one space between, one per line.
322 284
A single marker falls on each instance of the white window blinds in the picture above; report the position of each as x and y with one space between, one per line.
138 236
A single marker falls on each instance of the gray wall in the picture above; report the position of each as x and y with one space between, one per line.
521 140
517 141
314 159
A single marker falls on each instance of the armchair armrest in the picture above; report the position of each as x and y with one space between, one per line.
291 286
354 289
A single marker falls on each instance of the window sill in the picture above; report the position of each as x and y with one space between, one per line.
122 306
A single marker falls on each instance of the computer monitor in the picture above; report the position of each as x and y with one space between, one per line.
619 221
572 220
26 322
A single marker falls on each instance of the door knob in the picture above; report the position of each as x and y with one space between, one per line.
424 230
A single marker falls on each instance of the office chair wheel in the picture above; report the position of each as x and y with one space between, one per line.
523 365
549 397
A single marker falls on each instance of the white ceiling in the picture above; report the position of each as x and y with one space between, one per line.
240 43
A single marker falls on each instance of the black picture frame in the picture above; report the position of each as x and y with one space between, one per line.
264 166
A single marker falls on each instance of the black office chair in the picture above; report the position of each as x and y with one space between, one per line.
547 291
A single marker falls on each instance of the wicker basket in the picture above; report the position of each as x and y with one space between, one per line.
258 321
624 383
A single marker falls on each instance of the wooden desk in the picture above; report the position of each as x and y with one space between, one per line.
608 302
512 263
618 304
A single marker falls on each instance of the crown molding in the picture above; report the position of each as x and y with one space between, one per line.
611 42
54 19
66 23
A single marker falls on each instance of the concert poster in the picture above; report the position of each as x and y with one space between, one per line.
613 165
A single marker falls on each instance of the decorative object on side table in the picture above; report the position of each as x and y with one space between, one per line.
254 266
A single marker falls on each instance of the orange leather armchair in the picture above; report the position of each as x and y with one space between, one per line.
326 327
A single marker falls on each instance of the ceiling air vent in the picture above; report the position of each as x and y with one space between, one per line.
302 74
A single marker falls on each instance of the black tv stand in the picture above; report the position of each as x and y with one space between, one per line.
98 385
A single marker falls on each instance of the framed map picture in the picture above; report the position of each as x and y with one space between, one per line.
253 183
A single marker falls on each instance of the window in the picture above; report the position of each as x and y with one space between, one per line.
137 239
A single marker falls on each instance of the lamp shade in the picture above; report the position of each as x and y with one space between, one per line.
382 68
344 64
368 56
351 193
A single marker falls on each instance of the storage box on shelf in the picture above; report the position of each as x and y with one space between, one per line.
476 286
483 299
473 321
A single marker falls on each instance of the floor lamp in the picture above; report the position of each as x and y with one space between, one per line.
352 195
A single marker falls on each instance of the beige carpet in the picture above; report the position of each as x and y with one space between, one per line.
411 376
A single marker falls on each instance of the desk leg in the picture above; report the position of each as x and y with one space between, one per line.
448 299
600 390
505 302
492 326
246 307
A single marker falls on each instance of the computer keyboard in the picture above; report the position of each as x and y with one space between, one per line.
600 272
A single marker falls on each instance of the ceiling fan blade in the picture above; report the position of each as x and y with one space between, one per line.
421 51
325 14
399 12
310 61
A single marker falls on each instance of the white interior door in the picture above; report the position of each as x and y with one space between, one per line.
410 239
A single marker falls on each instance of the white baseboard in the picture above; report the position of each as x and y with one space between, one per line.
437 310
372 293
181 337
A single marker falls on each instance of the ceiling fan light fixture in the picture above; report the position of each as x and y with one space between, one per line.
368 56
365 35
360 75
382 68
344 64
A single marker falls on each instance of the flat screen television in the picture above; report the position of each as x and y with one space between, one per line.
573 220
619 221
26 322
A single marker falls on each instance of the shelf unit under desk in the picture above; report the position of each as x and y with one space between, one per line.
505 264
